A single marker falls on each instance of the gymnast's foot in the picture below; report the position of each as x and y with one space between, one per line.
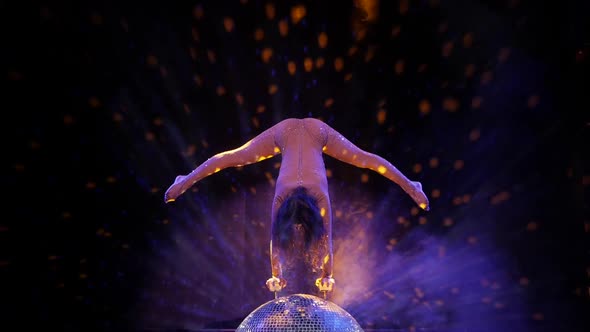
325 284
418 195
275 284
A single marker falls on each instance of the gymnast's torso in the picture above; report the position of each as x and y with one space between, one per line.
301 142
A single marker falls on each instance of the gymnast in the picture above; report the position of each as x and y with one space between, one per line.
301 205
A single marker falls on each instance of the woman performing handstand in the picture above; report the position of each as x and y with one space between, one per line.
301 204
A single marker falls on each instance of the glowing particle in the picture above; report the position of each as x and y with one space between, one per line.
276 149
323 40
450 104
532 226
217 169
433 162
266 54
319 62
322 212
369 8
329 102
381 169
458 164
468 40
435 193
533 101
424 106
291 67
272 89
448 222
423 206
228 24
417 168
370 54
422 220
447 49
260 109
381 116
338 64
150 136
403 7
283 28
474 134
220 90
258 34
94 102
270 11
365 178
476 102
486 77
298 13
308 64
395 31
211 56
500 197
239 99
198 12
199 80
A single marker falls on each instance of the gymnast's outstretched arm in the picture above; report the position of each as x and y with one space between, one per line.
257 149
339 147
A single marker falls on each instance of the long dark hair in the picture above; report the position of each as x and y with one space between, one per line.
299 209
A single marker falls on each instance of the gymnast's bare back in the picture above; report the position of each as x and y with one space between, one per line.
301 143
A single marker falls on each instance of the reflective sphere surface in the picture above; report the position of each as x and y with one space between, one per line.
299 313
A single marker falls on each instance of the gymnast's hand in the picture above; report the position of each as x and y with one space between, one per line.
325 284
276 284
418 195
176 189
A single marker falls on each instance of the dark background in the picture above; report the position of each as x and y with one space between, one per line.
482 101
